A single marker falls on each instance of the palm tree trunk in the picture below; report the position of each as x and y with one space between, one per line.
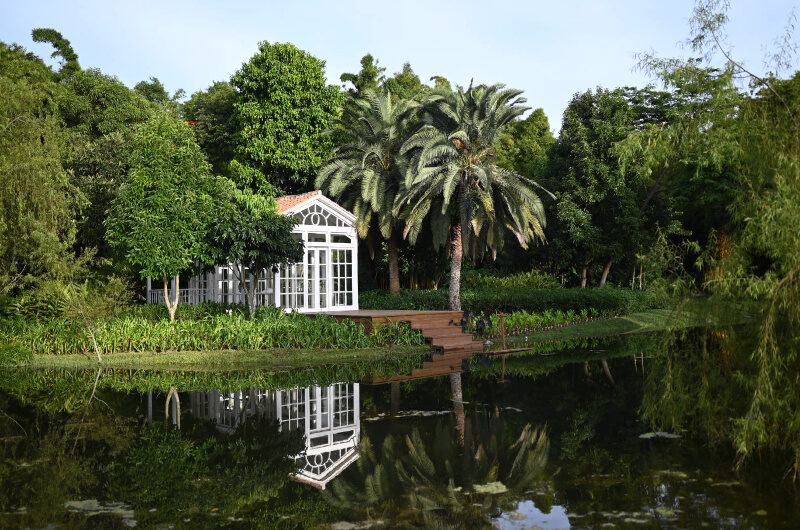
606 270
457 252
458 407
394 267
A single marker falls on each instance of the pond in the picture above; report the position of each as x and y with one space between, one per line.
549 439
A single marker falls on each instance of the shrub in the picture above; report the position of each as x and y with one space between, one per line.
523 280
495 300
12 354
211 328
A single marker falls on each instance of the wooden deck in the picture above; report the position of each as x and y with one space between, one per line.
441 329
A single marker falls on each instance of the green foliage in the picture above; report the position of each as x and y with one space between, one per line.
161 217
154 90
493 300
522 280
249 232
524 321
405 84
283 110
97 104
524 145
12 354
455 187
428 478
145 330
366 173
63 49
213 110
370 77
37 202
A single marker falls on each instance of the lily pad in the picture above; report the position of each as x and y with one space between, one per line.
491 488
658 434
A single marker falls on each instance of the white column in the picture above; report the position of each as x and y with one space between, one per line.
277 283
354 239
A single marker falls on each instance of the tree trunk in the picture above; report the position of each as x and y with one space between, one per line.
457 251
394 266
606 270
395 397
584 274
172 305
458 407
607 371
252 301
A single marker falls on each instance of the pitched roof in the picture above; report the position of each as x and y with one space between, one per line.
290 201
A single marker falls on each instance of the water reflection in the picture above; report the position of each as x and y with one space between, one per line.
327 417
557 445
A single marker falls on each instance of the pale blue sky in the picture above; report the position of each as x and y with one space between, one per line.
549 49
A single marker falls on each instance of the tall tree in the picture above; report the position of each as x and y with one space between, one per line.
370 77
405 84
101 115
606 211
155 91
37 201
367 173
524 145
454 184
161 218
249 232
63 49
283 110
213 110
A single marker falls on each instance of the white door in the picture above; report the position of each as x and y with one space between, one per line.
317 284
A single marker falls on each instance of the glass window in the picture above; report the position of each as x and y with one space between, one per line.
293 286
340 238
317 238
342 271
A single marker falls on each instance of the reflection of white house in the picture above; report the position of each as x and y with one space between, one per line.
326 279
328 416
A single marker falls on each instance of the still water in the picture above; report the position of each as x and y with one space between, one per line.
545 440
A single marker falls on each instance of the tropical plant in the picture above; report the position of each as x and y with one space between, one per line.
432 478
367 173
454 185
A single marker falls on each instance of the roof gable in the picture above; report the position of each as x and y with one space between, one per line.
314 202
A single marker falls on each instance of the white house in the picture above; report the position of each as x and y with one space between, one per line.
328 417
327 279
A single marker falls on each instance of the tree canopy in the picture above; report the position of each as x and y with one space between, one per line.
161 218
284 108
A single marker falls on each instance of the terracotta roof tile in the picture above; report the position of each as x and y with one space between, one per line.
290 201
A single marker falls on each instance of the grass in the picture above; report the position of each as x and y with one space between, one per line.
230 360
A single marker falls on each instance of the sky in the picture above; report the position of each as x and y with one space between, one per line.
550 49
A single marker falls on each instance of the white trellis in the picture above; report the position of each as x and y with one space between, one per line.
326 279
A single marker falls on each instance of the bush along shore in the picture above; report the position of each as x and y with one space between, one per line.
199 328
497 299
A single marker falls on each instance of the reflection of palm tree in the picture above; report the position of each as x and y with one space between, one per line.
426 478
458 406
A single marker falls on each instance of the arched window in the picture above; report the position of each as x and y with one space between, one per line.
316 215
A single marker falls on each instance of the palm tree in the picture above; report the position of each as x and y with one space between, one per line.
454 185
428 479
367 173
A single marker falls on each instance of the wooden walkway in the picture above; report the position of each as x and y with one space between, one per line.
441 329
